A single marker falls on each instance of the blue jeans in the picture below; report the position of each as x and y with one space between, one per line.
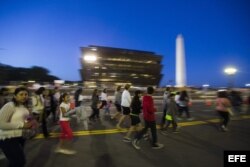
13 150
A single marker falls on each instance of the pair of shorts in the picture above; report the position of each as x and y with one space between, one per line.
135 120
125 110
118 107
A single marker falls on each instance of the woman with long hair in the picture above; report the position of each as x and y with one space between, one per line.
14 117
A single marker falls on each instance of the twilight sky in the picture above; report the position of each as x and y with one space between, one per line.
48 33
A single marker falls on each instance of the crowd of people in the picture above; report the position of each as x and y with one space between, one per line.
26 111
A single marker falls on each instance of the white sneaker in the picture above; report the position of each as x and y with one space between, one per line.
64 151
58 150
224 129
135 144
68 152
127 139
190 119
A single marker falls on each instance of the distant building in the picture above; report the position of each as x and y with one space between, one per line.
104 66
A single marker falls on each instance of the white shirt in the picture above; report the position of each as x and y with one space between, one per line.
176 98
126 98
66 106
11 120
38 104
104 96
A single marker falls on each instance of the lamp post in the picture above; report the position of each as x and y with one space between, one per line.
230 71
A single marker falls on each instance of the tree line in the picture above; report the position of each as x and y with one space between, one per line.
39 74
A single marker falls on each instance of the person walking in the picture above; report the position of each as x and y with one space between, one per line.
171 115
56 93
13 119
66 137
107 108
77 97
183 105
165 106
134 115
118 99
39 109
149 120
104 98
94 106
125 103
223 106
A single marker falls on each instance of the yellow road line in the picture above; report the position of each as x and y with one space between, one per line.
112 131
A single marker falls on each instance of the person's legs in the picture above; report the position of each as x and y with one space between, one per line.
180 111
66 138
135 121
174 124
44 125
121 120
155 144
139 135
118 111
95 113
225 119
186 109
152 126
13 150
163 119
126 112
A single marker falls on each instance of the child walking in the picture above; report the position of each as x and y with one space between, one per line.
66 132
107 107
171 114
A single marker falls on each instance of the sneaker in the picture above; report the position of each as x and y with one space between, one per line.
68 152
58 150
157 146
190 119
179 118
65 151
164 132
135 144
146 136
176 131
223 128
127 139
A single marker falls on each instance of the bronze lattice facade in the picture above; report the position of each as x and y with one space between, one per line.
116 66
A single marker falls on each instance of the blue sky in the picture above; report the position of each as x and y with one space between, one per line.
48 33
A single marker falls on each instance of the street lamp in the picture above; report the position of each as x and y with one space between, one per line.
230 71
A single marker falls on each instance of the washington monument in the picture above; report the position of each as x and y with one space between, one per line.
180 68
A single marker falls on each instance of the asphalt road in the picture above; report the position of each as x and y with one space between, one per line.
199 143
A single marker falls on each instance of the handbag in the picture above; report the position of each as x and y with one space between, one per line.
31 132
169 117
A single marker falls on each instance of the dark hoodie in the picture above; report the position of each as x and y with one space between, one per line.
148 108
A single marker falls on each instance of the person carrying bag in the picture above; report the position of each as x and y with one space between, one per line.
14 120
